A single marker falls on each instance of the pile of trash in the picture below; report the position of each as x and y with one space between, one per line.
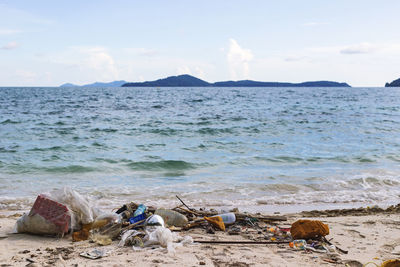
65 211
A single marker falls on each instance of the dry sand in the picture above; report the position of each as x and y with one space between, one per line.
368 236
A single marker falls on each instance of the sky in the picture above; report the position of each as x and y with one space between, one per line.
48 43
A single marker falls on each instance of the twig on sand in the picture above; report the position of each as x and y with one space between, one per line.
239 242
183 203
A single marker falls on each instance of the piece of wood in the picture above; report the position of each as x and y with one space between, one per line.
183 202
249 242
133 225
188 211
242 216
192 225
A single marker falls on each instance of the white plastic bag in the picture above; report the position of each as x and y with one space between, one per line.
82 209
35 224
128 237
159 236
77 210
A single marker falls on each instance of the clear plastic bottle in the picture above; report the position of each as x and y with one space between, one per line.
172 218
228 218
300 243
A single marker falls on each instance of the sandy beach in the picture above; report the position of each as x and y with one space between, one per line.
368 235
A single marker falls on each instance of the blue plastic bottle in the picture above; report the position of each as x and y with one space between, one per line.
140 209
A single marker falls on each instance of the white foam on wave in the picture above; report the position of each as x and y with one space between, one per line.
372 186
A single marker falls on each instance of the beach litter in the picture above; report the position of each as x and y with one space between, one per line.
57 213
143 227
96 253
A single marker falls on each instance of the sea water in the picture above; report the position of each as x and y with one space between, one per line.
252 148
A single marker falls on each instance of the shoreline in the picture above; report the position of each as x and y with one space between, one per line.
369 234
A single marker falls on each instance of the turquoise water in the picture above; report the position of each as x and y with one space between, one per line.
246 147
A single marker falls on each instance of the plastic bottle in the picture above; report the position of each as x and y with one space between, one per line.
138 218
299 243
140 209
106 227
172 218
228 218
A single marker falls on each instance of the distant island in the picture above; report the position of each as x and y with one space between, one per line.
96 84
190 81
395 83
186 80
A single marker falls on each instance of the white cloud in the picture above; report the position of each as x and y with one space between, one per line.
183 70
363 48
26 75
314 23
199 72
94 63
194 70
146 52
238 60
295 58
9 46
360 48
8 31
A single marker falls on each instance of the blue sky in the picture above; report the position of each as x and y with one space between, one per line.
48 43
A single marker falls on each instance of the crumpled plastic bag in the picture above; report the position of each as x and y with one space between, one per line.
56 213
128 237
157 236
45 217
160 236
35 224
82 209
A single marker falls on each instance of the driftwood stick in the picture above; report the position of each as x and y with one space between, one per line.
261 217
134 224
239 242
193 224
183 203
189 211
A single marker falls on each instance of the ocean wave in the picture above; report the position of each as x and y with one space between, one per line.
69 169
8 121
7 150
165 131
161 165
215 131
16 169
105 130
